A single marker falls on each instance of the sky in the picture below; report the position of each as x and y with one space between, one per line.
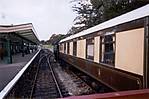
48 16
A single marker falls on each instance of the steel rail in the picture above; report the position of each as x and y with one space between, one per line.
34 82
47 56
55 80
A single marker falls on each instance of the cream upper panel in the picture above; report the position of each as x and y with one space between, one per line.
129 50
62 49
81 48
96 49
71 48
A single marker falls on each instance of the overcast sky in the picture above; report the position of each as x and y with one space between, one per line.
47 16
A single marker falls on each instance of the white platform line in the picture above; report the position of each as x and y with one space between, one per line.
10 85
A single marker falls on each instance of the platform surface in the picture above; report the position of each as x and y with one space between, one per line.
8 71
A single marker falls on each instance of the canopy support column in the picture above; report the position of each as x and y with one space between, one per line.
22 48
8 50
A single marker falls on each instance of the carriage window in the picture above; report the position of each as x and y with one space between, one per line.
108 49
65 48
68 48
74 48
90 49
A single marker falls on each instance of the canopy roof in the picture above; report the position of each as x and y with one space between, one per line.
26 31
130 16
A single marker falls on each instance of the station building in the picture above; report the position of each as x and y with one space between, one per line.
17 39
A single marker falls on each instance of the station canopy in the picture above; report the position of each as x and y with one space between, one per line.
25 31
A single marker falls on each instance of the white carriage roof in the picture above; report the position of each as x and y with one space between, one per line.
25 30
130 16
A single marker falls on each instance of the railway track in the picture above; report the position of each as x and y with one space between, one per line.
47 79
46 84
39 80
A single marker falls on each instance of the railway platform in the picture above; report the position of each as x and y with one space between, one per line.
8 71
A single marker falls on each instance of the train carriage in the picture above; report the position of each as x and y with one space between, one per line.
114 52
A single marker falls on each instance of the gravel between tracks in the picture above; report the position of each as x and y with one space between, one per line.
68 81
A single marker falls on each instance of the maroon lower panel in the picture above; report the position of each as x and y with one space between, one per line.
114 78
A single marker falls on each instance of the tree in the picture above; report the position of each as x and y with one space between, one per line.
94 12
87 16
84 12
55 38
42 42
113 8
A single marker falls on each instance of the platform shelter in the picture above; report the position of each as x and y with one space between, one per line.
17 39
